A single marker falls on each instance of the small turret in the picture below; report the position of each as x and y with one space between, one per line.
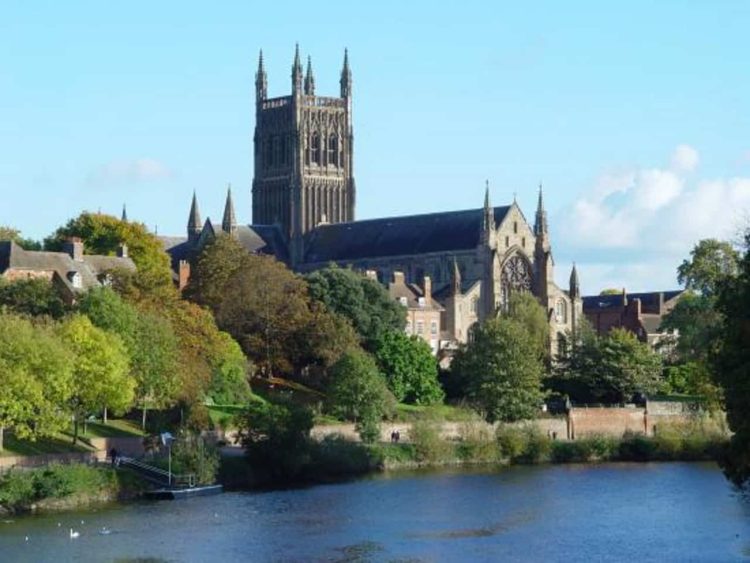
261 80
296 71
488 216
194 220
346 77
124 216
575 286
309 79
540 224
229 222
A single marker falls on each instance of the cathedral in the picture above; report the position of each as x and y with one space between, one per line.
464 264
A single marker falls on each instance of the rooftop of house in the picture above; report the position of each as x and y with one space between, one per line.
76 275
649 300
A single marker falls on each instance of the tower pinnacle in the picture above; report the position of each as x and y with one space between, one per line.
346 77
540 223
261 80
488 221
575 286
124 216
229 222
194 220
309 79
296 71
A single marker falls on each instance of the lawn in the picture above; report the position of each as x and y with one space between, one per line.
447 413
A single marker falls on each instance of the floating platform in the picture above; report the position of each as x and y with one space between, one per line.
184 492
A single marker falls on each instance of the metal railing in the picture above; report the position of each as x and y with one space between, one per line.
157 474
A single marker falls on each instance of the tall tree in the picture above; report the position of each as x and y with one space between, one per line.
525 309
101 375
409 367
358 392
36 379
711 263
732 367
502 371
358 298
212 270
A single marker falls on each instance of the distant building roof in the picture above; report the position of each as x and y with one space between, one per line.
396 236
89 269
649 300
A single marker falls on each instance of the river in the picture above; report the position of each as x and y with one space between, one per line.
609 512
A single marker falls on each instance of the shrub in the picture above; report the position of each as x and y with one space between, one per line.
636 447
477 444
427 442
511 441
335 456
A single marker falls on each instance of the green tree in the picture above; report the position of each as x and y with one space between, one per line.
276 438
36 373
9 233
33 297
358 392
525 309
711 263
409 367
610 369
213 268
101 375
732 367
361 300
229 381
502 371
103 234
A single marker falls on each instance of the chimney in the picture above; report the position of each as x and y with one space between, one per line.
183 274
398 277
427 287
74 248
122 250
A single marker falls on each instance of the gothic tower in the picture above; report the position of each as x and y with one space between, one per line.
303 156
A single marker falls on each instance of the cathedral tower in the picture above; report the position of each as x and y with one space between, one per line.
303 155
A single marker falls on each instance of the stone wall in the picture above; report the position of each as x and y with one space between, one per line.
607 421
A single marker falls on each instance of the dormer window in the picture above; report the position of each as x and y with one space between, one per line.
421 301
75 280
402 300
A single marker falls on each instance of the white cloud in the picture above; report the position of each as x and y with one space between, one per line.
129 172
635 228
685 158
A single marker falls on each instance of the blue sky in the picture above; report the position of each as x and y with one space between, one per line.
634 116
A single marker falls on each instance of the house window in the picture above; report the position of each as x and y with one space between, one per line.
402 300
75 280
408 327
474 305
421 301
420 327
433 328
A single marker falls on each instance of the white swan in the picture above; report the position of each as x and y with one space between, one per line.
73 534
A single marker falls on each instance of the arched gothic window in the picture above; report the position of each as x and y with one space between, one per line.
315 148
333 151
561 312
516 276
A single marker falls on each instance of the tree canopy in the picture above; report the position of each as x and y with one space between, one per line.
356 297
711 263
9 233
501 370
409 367
33 297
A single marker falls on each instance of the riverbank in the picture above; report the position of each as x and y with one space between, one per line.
59 487
335 458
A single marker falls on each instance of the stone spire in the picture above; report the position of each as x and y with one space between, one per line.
261 80
229 222
456 279
309 79
194 220
296 71
124 216
488 217
540 223
346 77
575 286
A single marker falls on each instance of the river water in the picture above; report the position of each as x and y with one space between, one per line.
609 512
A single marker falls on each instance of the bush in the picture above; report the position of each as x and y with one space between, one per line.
636 447
428 445
334 457
477 445
191 454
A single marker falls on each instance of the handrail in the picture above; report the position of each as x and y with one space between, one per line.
169 478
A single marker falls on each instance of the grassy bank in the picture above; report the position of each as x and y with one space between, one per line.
65 487
335 458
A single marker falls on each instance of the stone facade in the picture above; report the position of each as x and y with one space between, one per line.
303 211
423 313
